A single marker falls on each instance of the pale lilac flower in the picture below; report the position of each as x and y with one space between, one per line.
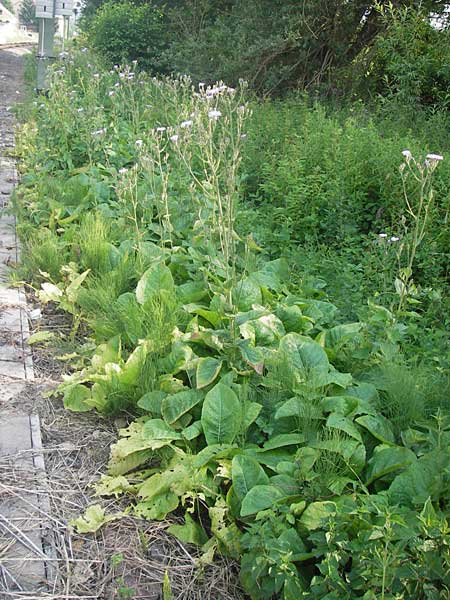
231 90
214 114
407 154
84 49
161 129
243 136
123 170
111 93
99 131
117 84
435 157
139 143
394 238
382 235
96 75
174 138
80 110
185 124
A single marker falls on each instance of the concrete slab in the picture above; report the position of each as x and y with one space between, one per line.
11 319
22 564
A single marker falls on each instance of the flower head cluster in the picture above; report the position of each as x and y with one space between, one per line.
434 157
214 114
216 90
99 131
392 239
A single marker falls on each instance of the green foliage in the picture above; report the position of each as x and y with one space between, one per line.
124 32
281 430
8 5
27 13
409 60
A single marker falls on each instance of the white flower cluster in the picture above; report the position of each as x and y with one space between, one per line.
216 90
392 239
99 131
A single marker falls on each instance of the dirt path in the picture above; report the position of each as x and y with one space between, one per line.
129 557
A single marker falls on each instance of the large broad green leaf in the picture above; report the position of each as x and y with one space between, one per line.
153 282
221 415
347 405
428 477
157 430
192 291
133 366
259 498
152 402
251 413
246 293
284 439
298 407
339 335
75 398
211 316
177 360
252 355
271 458
303 353
293 319
159 507
190 532
193 431
214 452
208 369
378 426
176 405
246 473
342 423
388 459
316 514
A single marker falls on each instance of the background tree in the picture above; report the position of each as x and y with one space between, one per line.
27 13
8 5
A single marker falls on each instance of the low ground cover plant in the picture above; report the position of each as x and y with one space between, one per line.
266 422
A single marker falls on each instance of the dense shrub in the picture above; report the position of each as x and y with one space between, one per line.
124 32
409 61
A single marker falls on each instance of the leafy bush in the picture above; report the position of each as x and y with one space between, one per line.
410 60
124 32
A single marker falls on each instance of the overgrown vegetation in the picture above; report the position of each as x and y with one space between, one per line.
264 294
337 47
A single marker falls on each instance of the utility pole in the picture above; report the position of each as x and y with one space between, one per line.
46 12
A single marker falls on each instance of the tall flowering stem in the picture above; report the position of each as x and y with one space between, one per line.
416 219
